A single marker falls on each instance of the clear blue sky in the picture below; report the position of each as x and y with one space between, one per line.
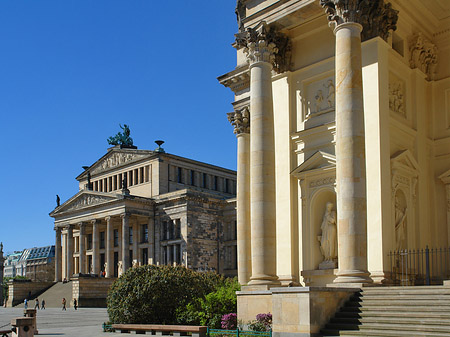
72 70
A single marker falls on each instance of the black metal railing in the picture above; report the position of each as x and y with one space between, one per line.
427 266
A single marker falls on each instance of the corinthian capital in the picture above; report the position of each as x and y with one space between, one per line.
376 17
240 120
264 44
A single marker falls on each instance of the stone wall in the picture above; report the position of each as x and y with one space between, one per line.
91 291
21 289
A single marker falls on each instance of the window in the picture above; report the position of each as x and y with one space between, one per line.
164 230
89 241
216 183
130 261
136 176
178 254
177 229
144 233
145 256
120 180
180 175
130 180
205 180
116 237
227 187
141 175
102 262
192 178
102 240
130 235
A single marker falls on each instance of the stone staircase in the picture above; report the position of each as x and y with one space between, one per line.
53 296
394 311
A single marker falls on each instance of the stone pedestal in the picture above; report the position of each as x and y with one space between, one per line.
22 327
32 314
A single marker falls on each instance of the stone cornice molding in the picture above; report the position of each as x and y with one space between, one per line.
376 17
265 44
237 80
240 120
423 55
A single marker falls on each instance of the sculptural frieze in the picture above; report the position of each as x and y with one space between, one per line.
397 96
115 159
86 200
240 120
423 55
322 181
376 17
321 97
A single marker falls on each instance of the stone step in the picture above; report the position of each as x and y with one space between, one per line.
403 327
384 333
415 315
409 297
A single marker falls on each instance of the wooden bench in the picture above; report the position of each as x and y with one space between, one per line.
5 333
162 330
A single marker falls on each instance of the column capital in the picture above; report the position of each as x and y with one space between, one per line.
265 44
57 229
69 227
95 221
125 215
376 17
108 218
240 120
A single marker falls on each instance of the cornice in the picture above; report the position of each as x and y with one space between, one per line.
237 80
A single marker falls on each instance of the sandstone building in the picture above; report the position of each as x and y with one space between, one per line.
137 207
342 117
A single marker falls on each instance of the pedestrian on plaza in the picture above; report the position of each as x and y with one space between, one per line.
64 304
25 304
43 304
75 304
36 304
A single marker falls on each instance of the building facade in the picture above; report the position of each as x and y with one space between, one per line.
37 264
137 207
11 268
342 117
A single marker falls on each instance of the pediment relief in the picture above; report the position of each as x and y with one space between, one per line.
404 161
319 161
83 200
115 159
445 177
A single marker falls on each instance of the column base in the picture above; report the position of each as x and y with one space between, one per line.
263 280
352 276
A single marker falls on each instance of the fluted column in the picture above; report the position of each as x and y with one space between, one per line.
240 119
125 242
95 247
58 255
69 255
82 250
260 54
109 248
345 16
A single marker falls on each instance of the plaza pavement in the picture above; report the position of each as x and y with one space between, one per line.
84 322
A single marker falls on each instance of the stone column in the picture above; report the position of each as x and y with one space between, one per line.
346 16
69 255
82 250
241 121
58 255
260 54
109 248
135 241
151 242
95 247
125 242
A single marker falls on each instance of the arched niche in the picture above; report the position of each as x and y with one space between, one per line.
317 206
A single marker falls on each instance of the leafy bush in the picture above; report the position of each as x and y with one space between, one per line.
153 294
263 322
229 321
208 310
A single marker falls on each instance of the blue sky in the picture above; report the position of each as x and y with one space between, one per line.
71 71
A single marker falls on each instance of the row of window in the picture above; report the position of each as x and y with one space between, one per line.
171 230
172 254
133 177
203 180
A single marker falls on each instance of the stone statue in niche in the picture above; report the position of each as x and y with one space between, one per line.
323 100
400 225
319 99
328 239
120 268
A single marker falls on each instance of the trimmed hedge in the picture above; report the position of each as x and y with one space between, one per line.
152 294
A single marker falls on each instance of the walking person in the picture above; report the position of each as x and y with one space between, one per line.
43 304
25 304
75 304
36 304
64 304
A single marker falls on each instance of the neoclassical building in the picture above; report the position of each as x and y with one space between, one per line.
137 207
342 118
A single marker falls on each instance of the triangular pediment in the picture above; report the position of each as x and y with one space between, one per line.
116 158
405 160
445 177
85 199
319 161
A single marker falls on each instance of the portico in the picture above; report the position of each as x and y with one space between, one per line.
99 232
